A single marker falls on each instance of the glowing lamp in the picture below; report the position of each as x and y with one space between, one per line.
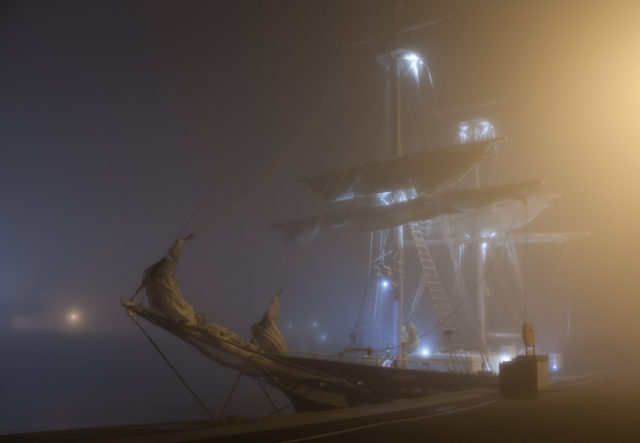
73 317
413 63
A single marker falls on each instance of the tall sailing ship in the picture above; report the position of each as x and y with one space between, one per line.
412 203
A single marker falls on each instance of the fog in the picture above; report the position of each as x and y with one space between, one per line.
118 118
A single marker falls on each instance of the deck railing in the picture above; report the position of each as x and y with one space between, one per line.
439 362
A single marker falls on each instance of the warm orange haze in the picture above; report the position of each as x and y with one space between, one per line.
380 202
583 106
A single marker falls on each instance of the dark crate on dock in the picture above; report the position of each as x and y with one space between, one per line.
524 376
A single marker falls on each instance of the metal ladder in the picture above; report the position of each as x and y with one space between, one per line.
441 305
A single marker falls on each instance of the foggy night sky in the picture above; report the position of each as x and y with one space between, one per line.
116 118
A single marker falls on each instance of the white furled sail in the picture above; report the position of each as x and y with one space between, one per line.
162 288
422 208
266 331
171 312
426 172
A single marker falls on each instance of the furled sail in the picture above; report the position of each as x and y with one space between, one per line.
470 199
171 312
419 209
162 288
266 331
363 219
426 171
226 348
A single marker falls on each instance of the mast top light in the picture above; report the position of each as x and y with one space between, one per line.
408 61
413 63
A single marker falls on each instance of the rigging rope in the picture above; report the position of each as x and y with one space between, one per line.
173 368
200 205
470 294
280 409
273 405
233 389
277 166
325 204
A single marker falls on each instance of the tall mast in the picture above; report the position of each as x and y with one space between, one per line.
381 319
398 231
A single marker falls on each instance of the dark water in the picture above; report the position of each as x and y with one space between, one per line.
62 381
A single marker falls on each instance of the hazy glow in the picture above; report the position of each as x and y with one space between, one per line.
505 358
385 283
73 317
425 352
554 361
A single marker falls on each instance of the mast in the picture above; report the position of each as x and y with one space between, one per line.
398 238
381 318
472 131
481 291
398 234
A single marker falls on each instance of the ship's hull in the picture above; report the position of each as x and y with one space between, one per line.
372 384
313 384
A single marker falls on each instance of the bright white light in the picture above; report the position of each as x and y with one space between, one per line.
505 358
476 130
484 128
555 361
464 133
385 198
425 352
414 63
385 283
493 234
345 196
